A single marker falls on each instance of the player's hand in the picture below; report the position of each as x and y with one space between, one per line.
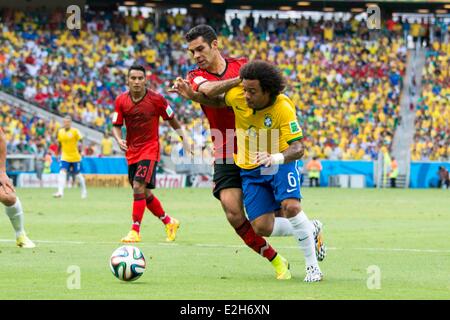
123 145
263 159
174 87
6 184
183 88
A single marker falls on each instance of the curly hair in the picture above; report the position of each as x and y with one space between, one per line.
270 78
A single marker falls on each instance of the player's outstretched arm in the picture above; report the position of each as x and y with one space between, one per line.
215 88
184 89
216 102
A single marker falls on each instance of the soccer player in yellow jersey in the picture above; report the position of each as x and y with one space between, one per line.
13 206
269 145
68 139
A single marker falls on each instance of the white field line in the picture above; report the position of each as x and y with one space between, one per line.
211 245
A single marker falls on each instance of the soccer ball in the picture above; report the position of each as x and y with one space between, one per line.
127 263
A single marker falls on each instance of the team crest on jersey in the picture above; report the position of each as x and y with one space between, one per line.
268 120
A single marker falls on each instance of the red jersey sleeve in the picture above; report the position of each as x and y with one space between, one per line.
117 118
165 110
196 80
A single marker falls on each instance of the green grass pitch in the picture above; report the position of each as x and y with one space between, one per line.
405 234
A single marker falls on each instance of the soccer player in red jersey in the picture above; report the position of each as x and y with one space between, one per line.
212 66
141 109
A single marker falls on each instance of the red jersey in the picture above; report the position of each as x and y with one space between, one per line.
219 119
142 123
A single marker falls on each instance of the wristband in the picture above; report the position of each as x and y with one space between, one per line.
277 158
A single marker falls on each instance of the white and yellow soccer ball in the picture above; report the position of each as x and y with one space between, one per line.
127 263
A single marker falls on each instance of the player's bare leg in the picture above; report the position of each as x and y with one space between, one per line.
14 211
154 205
264 224
62 177
231 201
232 204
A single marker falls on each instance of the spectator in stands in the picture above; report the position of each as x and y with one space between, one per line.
107 145
444 177
53 148
90 150
415 31
179 20
250 21
406 28
314 167
328 31
236 24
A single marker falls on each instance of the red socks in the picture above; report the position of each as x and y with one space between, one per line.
138 211
154 205
257 243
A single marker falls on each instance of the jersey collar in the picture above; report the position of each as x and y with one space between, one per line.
224 71
136 102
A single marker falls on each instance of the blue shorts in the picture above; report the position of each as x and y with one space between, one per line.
71 167
264 190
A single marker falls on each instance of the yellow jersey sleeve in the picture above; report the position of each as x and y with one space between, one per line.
235 97
290 129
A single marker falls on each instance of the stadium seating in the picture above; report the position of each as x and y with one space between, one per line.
346 85
432 138
25 132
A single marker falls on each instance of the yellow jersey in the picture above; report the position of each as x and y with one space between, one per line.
69 144
271 129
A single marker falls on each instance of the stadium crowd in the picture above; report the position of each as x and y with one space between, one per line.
345 83
24 133
432 137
